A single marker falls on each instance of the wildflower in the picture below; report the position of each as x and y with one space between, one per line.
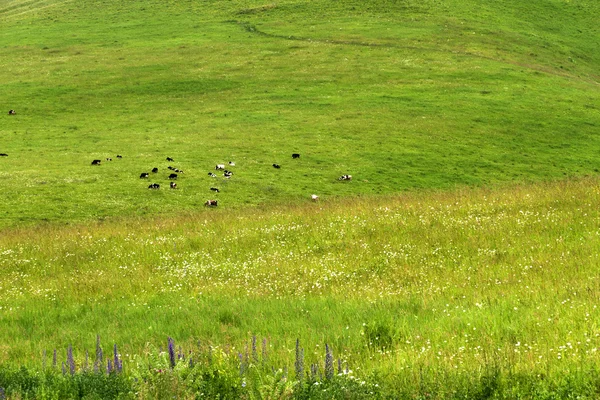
171 352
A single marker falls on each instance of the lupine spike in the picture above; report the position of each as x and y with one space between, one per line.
328 362
171 352
109 367
117 361
254 352
264 350
299 361
2 393
241 357
70 360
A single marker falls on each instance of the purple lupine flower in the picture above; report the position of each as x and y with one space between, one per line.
241 357
99 356
264 350
314 368
70 360
254 352
2 393
117 362
299 364
109 367
328 362
191 362
172 352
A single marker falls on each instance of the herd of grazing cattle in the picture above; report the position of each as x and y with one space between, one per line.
218 167
174 175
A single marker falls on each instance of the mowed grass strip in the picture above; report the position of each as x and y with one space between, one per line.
401 95
444 282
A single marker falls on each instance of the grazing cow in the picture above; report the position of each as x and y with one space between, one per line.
155 170
276 166
314 197
3 155
171 168
96 162
215 190
178 170
119 156
169 159
143 175
211 203
227 174
295 155
173 185
154 186
173 176
212 175
345 178
219 167
232 163
108 159
12 112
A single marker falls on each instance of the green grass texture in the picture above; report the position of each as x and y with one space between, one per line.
402 95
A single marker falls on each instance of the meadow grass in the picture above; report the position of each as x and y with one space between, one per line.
401 95
414 290
441 270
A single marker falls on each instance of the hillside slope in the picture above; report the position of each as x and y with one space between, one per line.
399 94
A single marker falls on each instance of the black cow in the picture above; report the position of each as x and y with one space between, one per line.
119 156
212 175
276 166
215 189
211 203
3 155
96 162
155 170
295 155
173 185
154 186
169 159
108 159
12 112
227 174
345 178
173 176
143 175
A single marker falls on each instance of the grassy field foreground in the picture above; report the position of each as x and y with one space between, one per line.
417 292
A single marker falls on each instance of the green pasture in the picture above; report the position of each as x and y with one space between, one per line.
461 259
402 95
411 289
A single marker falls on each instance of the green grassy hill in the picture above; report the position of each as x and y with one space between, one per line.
400 94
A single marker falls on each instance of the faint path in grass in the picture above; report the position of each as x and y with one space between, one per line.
248 27
18 8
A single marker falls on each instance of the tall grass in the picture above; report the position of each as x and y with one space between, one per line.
412 288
